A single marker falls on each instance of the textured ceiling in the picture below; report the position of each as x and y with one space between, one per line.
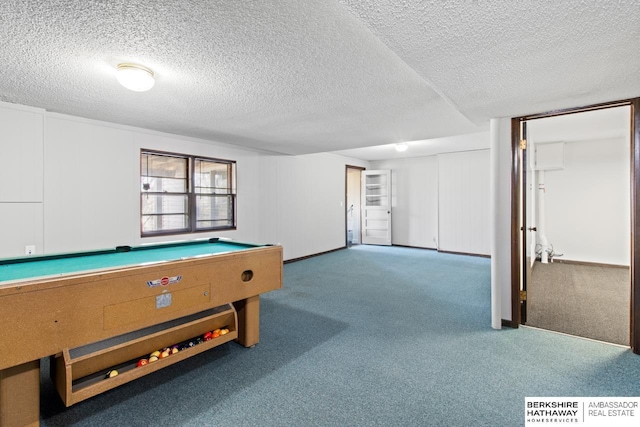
600 125
296 76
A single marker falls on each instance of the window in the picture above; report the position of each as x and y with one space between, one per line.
186 194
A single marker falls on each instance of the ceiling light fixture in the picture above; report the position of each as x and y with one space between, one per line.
135 77
400 147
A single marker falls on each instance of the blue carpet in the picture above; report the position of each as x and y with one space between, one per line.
367 336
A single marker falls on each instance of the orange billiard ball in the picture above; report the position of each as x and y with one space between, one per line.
142 362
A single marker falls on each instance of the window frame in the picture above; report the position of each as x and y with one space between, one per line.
191 194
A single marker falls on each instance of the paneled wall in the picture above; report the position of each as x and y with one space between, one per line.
308 208
463 202
73 184
414 195
90 196
81 190
21 179
441 201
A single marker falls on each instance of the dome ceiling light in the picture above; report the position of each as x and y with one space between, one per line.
400 147
135 77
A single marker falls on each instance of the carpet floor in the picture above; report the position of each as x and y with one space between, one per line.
583 300
367 336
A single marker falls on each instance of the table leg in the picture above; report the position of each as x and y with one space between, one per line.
248 321
20 395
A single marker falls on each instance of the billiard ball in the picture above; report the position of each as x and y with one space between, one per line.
224 331
174 349
112 373
142 362
155 353
153 359
164 354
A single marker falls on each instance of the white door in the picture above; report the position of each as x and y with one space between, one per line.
376 207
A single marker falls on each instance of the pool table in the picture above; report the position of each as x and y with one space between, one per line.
54 303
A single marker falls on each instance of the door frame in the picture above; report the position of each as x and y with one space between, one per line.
346 207
517 225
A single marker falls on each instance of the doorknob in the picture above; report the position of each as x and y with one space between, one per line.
532 229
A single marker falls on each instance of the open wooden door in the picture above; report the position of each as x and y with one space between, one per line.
519 222
528 208
376 207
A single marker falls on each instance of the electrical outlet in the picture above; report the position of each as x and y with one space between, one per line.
30 250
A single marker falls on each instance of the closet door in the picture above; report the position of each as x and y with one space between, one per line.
376 207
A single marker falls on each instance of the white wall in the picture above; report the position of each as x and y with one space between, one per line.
414 203
92 183
90 196
463 202
588 202
21 178
308 209
441 201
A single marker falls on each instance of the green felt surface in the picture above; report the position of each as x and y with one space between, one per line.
72 263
